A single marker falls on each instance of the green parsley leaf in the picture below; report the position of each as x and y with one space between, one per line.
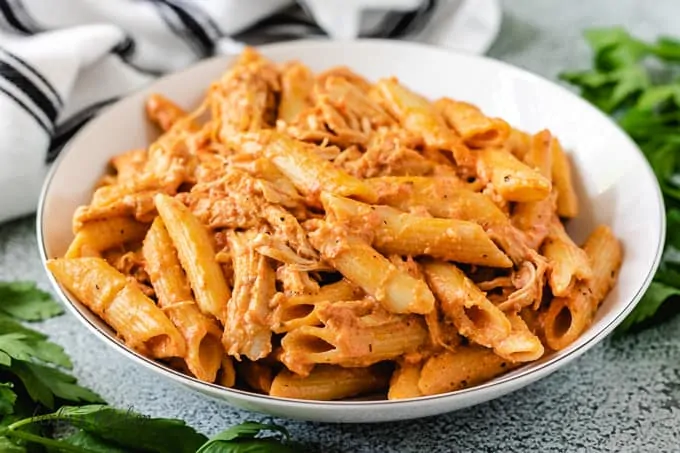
134 431
266 445
43 384
91 443
25 301
7 398
655 96
242 438
249 429
20 346
615 48
609 91
655 296
667 48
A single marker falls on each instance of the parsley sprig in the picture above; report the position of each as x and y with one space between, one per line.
37 395
638 83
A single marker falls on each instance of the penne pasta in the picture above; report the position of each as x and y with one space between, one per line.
128 165
362 265
534 217
566 318
373 336
417 115
121 304
518 143
521 345
165 113
197 255
446 197
302 310
257 375
297 82
402 233
247 327
227 375
329 382
465 304
310 173
567 201
476 129
201 333
467 366
568 263
404 381
512 179
97 236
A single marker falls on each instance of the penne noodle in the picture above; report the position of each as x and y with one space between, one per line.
297 82
121 304
441 197
197 255
128 165
362 265
539 156
301 310
568 263
312 174
512 179
329 382
568 317
165 113
416 114
227 375
97 236
467 366
401 233
518 143
352 100
567 201
247 328
605 254
534 217
465 304
521 345
404 381
476 129
257 375
373 336
201 333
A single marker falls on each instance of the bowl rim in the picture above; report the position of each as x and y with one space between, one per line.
545 367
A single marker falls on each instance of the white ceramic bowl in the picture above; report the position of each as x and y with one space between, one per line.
616 185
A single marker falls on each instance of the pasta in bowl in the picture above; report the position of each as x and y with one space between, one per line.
320 235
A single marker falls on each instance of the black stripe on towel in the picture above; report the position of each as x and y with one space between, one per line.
125 49
66 130
173 22
28 110
8 10
19 62
212 29
193 27
38 97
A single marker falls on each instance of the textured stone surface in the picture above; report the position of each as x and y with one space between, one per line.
624 395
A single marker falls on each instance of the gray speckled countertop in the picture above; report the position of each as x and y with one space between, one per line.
623 395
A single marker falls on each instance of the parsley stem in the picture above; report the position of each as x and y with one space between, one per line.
14 431
55 444
28 421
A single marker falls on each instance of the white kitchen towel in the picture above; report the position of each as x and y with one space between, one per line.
62 61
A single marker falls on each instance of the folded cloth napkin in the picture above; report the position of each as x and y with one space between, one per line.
62 61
